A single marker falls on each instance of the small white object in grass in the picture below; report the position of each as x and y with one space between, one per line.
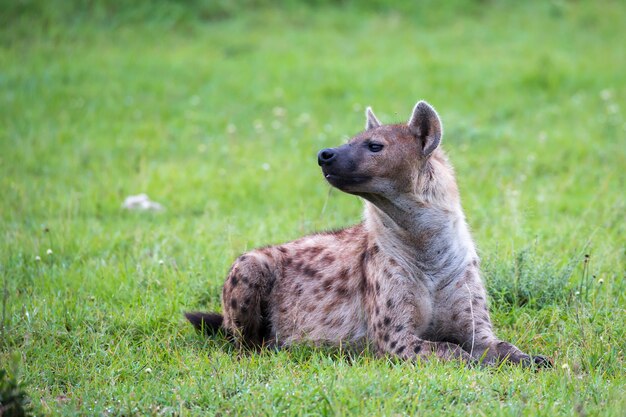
161 262
141 202
279 111
600 281
565 366
38 258
577 293
606 94
265 166
303 118
231 128
49 252
148 370
542 136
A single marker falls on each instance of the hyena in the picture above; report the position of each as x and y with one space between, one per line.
406 281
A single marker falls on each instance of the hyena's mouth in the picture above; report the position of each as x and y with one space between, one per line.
341 181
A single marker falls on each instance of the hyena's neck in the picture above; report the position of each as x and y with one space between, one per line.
434 240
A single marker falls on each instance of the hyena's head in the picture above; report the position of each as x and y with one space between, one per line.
387 160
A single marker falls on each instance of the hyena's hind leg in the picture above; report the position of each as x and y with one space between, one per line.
245 300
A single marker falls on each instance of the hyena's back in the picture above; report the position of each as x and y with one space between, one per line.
309 289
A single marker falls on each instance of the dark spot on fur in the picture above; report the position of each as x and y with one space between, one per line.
400 349
377 288
387 321
233 303
299 290
234 281
389 303
243 258
342 290
327 259
282 249
468 310
386 337
363 287
344 273
288 261
309 272
314 251
376 311
337 322
455 316
247 301
399 328
393 344
363 257
417 348
328 284
245 280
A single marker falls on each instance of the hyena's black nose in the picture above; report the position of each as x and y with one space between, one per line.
326 156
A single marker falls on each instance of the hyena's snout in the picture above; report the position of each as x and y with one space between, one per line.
326 156
340 168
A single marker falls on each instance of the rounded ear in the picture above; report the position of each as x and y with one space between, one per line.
370 119
426 126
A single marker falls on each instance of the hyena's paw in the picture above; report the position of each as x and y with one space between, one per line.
538 361
504 351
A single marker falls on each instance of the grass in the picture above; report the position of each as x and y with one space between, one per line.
218 116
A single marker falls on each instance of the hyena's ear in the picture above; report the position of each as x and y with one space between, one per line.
426 126
371 121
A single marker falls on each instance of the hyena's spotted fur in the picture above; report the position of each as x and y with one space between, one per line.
406 281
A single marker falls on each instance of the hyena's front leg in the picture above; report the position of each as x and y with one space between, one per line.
397 318
466 320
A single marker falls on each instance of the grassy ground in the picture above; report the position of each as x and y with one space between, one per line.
219 117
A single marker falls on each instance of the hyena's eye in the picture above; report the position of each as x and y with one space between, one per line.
374 147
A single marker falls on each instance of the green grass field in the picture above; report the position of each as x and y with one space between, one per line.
218 113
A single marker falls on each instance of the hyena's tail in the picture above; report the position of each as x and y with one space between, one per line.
209 323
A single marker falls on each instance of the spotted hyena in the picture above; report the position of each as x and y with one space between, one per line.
406 281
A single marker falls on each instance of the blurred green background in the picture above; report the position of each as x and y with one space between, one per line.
217 110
